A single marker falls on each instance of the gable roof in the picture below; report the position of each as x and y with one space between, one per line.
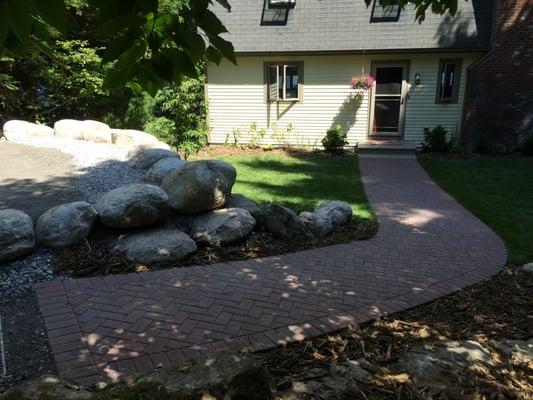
344 25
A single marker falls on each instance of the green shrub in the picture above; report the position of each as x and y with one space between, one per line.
191 141
164 129
528 145
335 139
435 140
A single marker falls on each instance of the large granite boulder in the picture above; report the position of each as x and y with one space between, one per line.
241 201
200 186
441 366
160 245
223 376
132 138
47 387
133 205
16 130
338 212
147 158
282 222
223 226
162 169
65 225
317 223
17 237
92 131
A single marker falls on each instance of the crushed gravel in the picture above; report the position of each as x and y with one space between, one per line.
99 167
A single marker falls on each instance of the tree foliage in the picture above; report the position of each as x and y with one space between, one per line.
148 43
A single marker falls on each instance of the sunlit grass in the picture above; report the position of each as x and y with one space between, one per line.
498 190
301 182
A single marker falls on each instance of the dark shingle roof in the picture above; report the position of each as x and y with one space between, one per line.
344 25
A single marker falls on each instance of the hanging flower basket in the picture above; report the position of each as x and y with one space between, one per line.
364 82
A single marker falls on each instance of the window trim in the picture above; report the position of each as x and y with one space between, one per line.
456 84
394 18
283 64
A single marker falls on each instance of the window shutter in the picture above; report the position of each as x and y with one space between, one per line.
273 82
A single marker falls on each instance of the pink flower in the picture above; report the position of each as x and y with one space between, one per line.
364 82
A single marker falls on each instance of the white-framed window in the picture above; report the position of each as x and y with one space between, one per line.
448 81
284 81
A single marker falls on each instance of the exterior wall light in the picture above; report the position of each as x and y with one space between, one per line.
418 79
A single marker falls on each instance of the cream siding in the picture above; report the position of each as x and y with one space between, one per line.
237 99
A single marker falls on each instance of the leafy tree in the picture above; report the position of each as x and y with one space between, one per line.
147 42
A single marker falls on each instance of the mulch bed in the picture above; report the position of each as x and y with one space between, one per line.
216 151
501 308
94 257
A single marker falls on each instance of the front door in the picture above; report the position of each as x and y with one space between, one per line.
388 100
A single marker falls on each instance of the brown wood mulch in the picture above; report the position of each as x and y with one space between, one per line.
216 151
500 308
94 257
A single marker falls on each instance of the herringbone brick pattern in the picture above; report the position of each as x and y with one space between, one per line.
427 246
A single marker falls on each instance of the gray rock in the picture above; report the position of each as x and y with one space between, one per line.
528 268
439 365
338 212
162 169
317 223
133 205
15 131
200 186
352 370
65 225
518 351
283 222
147 158
17 237
159 245
46 387
218 377
241 201
223 226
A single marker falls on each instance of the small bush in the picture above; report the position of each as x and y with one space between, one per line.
163 128
191 141
528 145
335 139
435 140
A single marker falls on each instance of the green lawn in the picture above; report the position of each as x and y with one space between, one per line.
301 182
498 190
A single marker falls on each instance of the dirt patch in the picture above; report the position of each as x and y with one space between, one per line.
94 257
500 308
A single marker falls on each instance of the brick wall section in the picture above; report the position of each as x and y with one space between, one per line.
500 90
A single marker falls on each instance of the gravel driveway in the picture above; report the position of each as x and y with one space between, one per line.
34 177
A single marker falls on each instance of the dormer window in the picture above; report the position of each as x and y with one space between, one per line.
281 3
388 13
276 12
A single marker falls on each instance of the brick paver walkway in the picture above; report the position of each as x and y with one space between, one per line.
427 246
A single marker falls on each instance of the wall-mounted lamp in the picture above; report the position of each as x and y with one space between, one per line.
418 79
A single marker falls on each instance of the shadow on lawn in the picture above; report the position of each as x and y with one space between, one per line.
305 181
